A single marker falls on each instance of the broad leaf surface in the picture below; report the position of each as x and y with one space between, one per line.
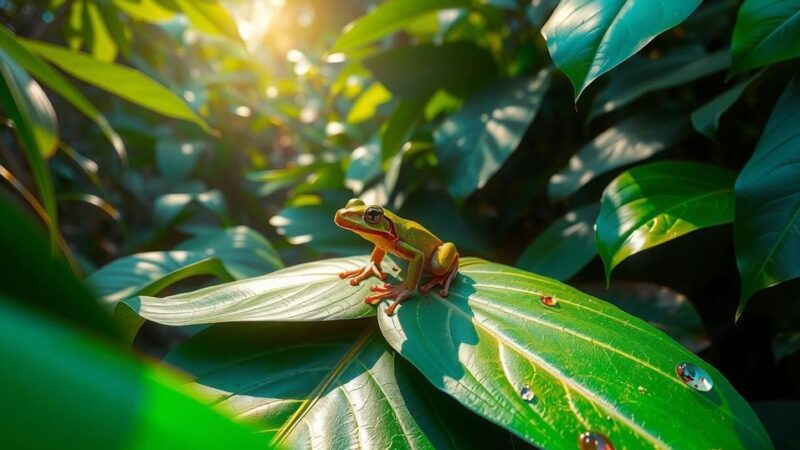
387 18
399 128
474 142
766 31
655 203
589 365
169 206
587 38
634 139
564 247
767 225
176 158
366 105
210 16
119 80
97 396
662 307
334 385
244 251
641 76
301 224
705 119
416 73
311 291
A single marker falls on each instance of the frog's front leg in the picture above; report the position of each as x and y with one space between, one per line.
373 267
444 266
400 292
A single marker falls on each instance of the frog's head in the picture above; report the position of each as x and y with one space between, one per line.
364 220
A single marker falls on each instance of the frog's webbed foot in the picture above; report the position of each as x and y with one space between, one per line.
397 292
358 275
440 280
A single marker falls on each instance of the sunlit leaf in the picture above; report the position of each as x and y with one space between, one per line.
98 395
766 31
473 143
169 206
415 73
146 10
306 292
47 75
289 380
493 337
244 252
119 80
93 200
587 38
662 307
634 139
210 16
768 202
655 203
366 105
365 166
641 76
387 18
706 118
564 247
102 44
120 31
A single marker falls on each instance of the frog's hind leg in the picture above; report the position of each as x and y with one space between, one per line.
444 266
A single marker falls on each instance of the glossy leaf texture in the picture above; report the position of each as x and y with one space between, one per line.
767 226
589 365
655 203
387 18
311 291
564 247
416 73
333 385
631 140
766 31
119 80
474 142
587 38
705 119
662 307
94 394
641 75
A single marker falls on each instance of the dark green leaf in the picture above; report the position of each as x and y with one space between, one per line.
655 203
438 213
415 73
785 344
587 38
176 159
662 307
365 166
119 80
634 139
768 202
473 143
306 292
766 31
588 365
706 118
641 76
169 206
387 18
400 127
564 247
290 380
244 252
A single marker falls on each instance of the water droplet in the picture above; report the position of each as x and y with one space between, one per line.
642 390
592 440
526 393
548 300
695 377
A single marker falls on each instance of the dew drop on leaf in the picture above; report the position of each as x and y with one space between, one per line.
642 390
695 377
548 300
592 440
526 393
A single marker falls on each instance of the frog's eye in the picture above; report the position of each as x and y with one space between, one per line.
373 214
354 202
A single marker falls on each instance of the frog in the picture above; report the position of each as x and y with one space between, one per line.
426 254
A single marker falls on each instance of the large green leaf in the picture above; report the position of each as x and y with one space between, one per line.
416 73
705 119
244 251
146 10
474 142
35 124
366 105
633 139
551 373
641 76
311 291
95 396
766 31
210 16
768 202
564 247
387 18
119 80
399 128
587 38
655 203
169 207
291 380
49 76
